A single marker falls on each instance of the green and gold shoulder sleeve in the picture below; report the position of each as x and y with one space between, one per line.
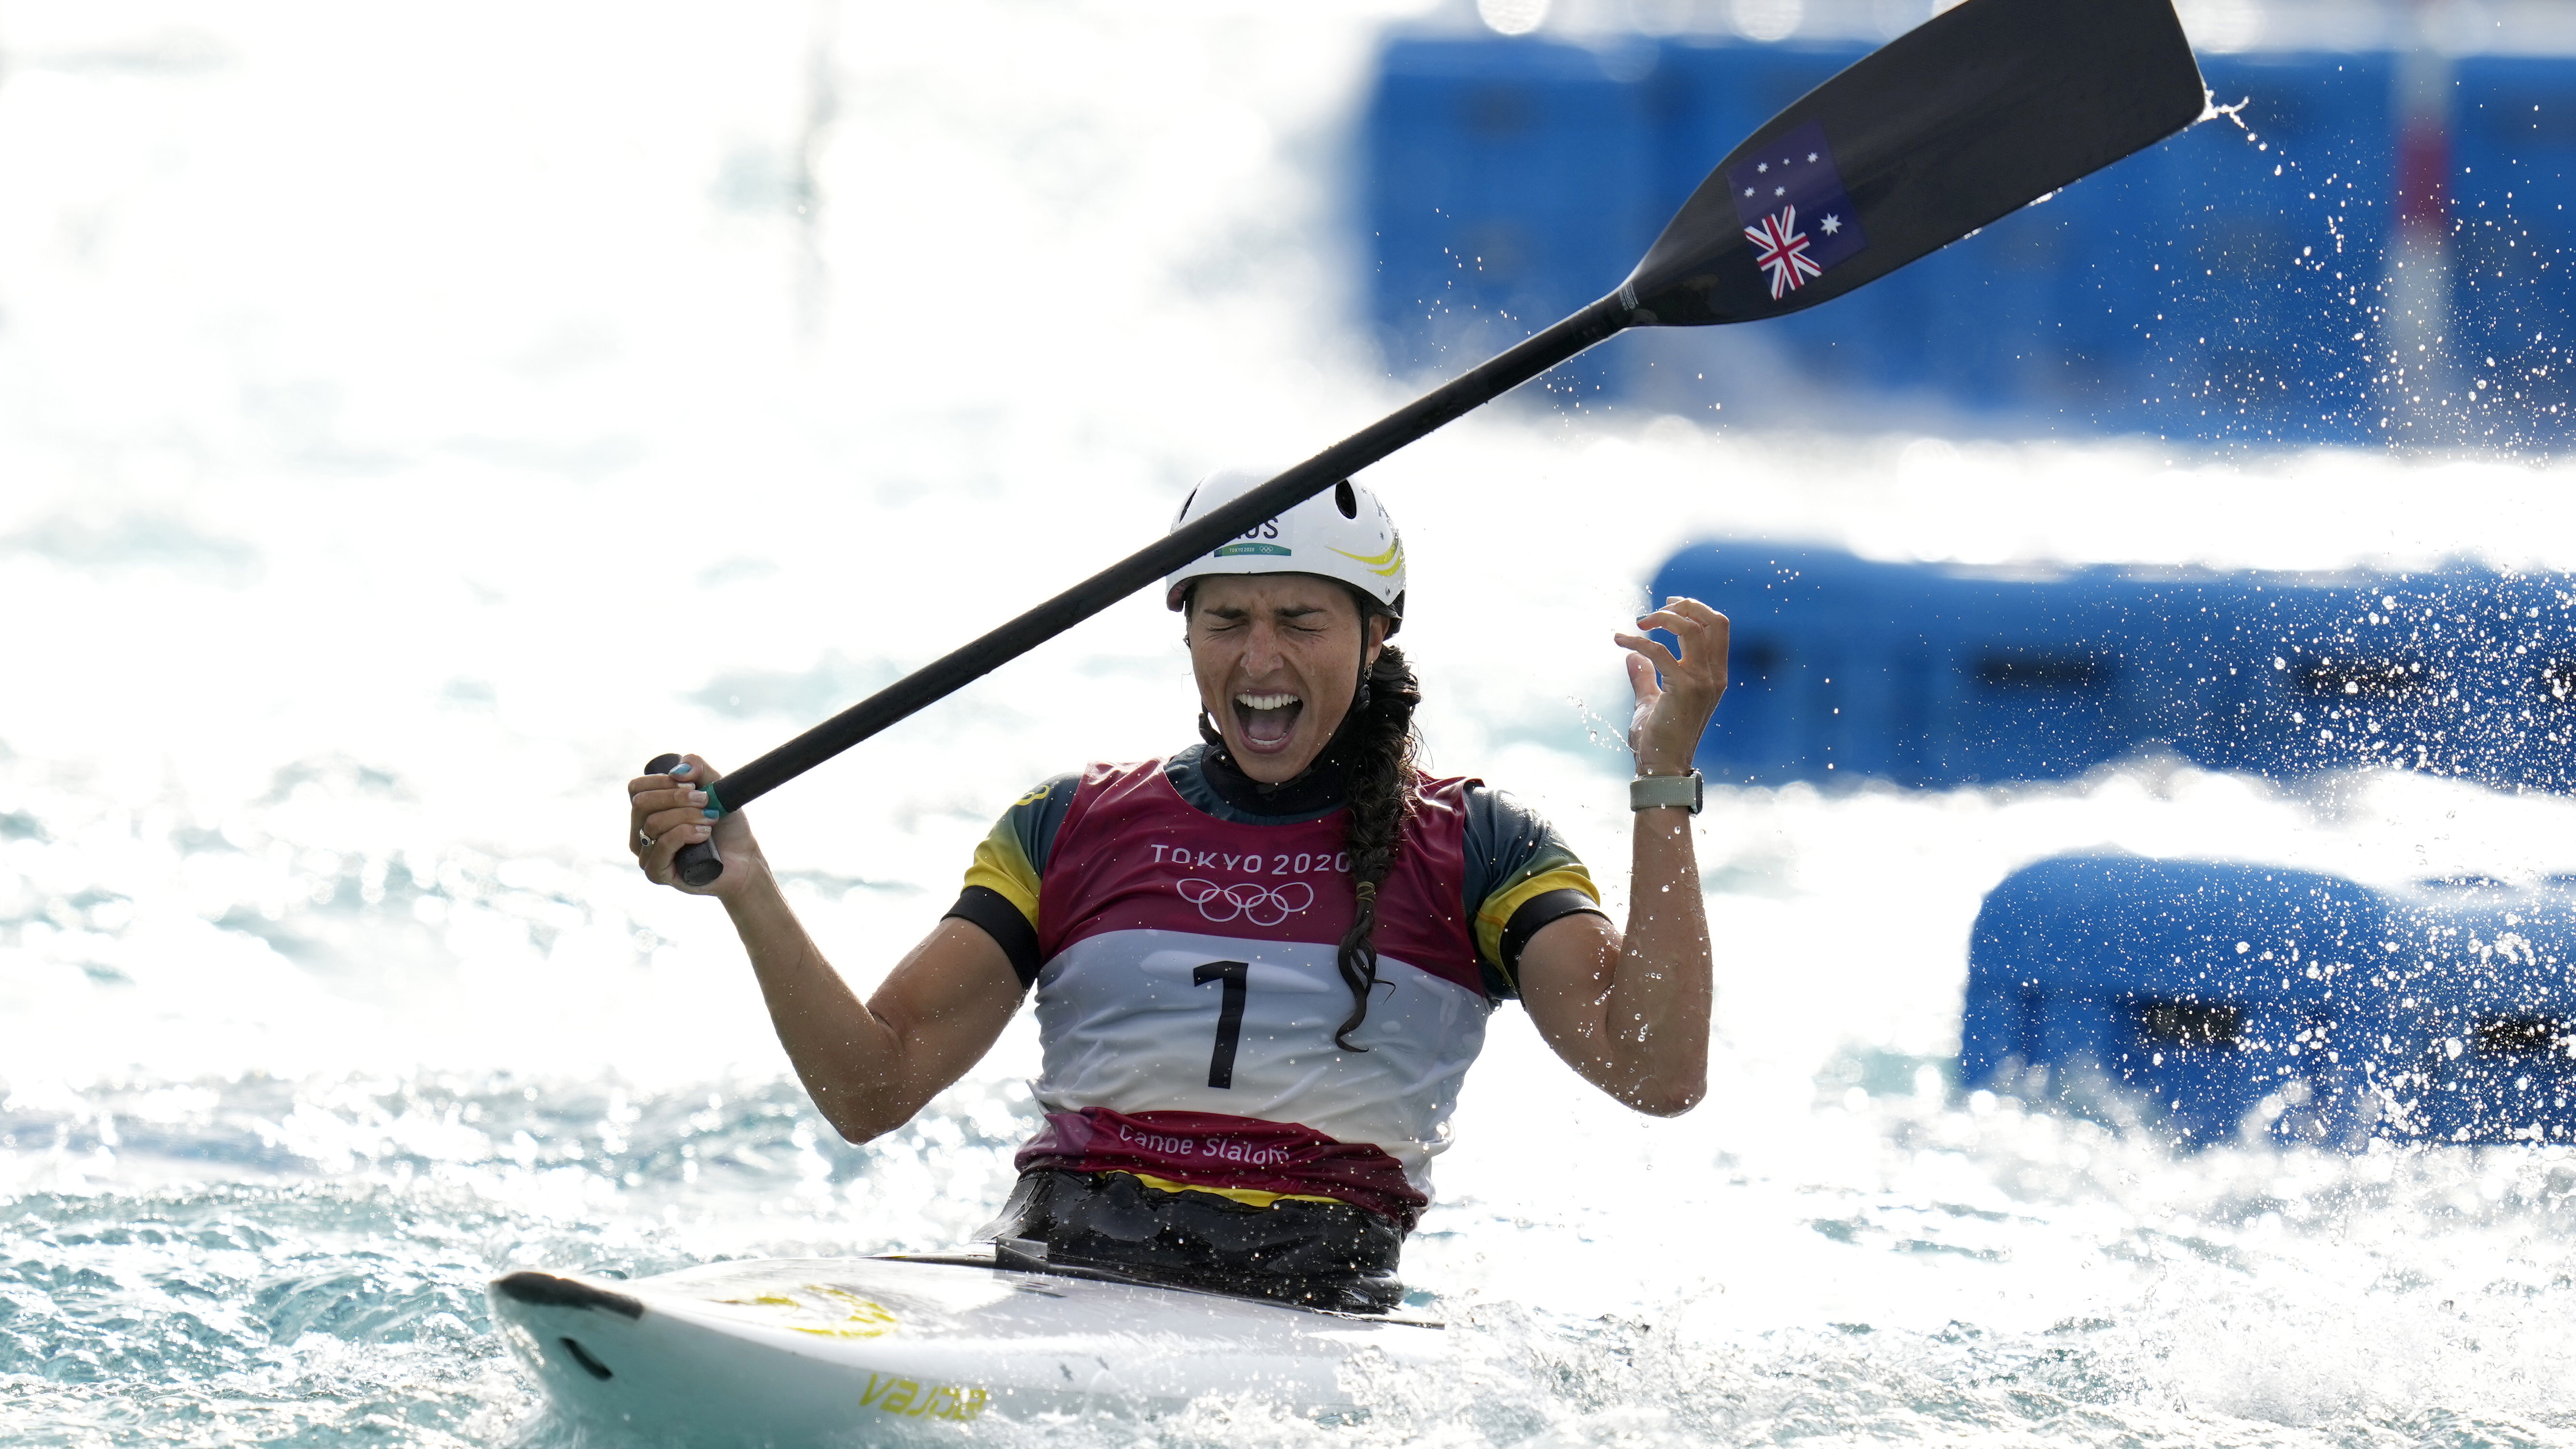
1521 876
1001 893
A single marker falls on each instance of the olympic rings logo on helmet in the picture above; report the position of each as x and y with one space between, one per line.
1249 900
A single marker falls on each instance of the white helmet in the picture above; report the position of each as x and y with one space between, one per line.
1342 534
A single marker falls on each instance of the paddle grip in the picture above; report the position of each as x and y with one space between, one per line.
697 862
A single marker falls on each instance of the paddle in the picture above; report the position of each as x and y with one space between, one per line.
1959 121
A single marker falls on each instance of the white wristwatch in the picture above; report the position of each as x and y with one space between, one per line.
1662 792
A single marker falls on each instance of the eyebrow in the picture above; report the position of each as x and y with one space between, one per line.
1290 611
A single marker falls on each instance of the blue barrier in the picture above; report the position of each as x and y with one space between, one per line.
2201 994
2244 262
2217 998
2514 189
1932 675
1508 185
2489 1010
2212 286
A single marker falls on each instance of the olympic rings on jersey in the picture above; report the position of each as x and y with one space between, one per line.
1252 901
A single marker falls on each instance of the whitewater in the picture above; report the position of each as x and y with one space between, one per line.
412 420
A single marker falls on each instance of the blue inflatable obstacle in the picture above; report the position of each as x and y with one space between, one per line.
2485 982
2223 284
1844 668
2220 1000
2203 994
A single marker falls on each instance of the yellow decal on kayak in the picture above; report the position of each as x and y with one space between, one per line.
843 1314
911 1399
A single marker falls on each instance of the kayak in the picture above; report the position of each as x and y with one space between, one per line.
898 1350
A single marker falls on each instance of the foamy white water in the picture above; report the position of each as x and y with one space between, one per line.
414 421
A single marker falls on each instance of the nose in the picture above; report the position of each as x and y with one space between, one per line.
1262 652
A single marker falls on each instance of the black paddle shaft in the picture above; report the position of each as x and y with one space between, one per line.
1959 121
964 665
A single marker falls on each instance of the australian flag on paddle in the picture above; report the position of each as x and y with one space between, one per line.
1794 209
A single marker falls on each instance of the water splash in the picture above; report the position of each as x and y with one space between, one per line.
368 560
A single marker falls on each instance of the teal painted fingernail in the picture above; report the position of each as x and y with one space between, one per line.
715 815
679 769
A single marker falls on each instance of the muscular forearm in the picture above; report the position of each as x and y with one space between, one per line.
1630 1010
868 1064
1656 1017
848 1057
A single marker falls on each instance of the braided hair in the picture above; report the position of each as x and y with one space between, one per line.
1378 770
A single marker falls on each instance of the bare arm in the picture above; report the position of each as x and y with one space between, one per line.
1629 1010
869 1065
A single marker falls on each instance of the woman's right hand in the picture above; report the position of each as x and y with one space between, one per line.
666 813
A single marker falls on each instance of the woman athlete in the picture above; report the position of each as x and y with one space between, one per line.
1263 965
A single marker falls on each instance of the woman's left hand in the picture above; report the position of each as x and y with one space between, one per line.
1673 714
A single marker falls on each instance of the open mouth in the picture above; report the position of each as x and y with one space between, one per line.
1264 721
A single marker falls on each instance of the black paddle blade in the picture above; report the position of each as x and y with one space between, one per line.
1961 120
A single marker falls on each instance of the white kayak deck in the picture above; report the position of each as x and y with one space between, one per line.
892 1350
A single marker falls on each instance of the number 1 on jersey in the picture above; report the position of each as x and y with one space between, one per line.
1229 1016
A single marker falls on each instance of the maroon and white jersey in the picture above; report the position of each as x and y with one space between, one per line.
1187 992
